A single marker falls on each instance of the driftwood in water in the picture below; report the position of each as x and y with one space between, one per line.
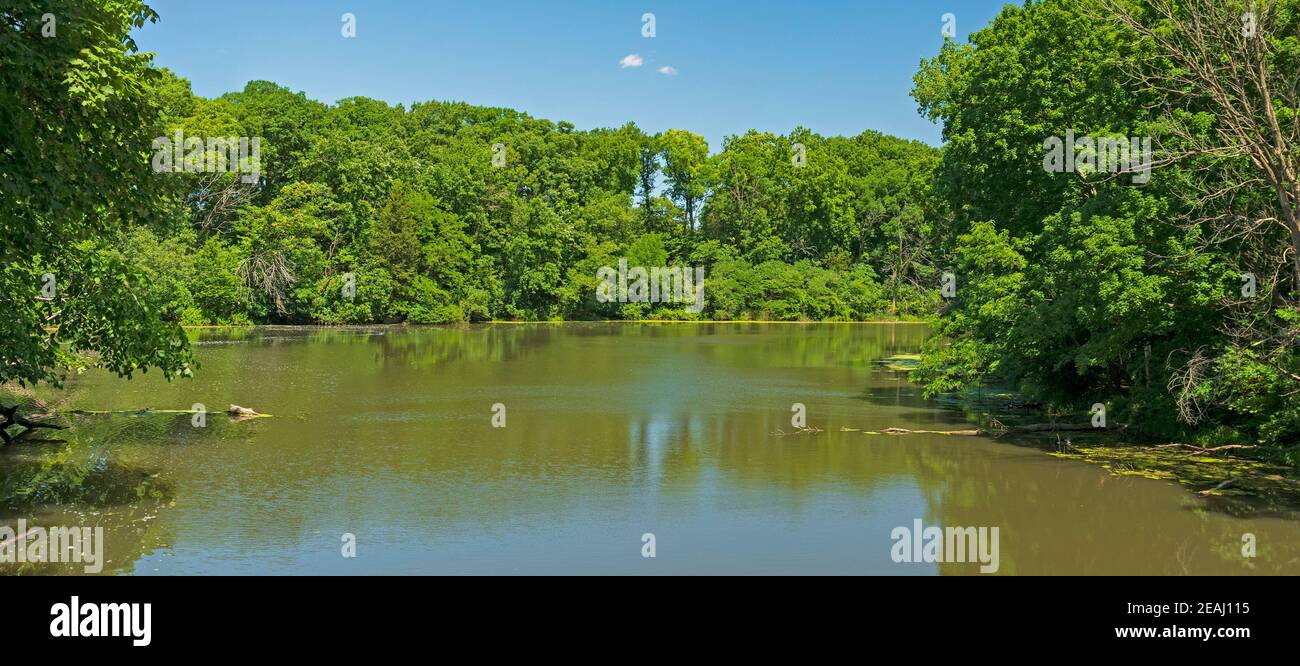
11 418
1058 427
235 412
997 429
798 431
1221 486
1202 449
905 431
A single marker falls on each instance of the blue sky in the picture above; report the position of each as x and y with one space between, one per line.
836 67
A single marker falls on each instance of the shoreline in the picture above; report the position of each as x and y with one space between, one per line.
919 322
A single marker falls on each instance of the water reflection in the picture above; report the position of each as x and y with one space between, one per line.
613 430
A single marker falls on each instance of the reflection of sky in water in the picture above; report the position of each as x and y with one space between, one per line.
649 442
613 431
719 528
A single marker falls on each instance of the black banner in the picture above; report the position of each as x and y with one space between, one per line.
937 616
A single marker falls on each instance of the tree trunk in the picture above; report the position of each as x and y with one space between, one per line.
11 418
1294 228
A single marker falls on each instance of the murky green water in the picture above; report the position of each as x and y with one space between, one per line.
612 431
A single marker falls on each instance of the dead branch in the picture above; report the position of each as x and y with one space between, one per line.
11 418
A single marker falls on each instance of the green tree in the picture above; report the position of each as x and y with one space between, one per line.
686 168
74 175
1085 286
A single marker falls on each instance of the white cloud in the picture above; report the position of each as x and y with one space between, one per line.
669 70
630 60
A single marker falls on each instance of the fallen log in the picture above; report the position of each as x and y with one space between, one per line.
798 431
1060 427
11 418
1202 449
148 411
1221 486
905 431
998 430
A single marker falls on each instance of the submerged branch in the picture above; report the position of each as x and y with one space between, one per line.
11 418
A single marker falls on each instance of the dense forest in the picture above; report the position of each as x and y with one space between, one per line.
364 212
1070 288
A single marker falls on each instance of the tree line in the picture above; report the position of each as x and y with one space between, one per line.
364 212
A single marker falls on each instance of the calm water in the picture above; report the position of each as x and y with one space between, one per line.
612 431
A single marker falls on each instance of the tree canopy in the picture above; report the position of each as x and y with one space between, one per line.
78 116
448 212
1086 286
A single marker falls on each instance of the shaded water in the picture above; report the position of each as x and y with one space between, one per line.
612 431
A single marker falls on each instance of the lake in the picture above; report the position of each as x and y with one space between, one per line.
612 431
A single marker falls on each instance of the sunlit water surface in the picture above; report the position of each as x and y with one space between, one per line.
612 431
